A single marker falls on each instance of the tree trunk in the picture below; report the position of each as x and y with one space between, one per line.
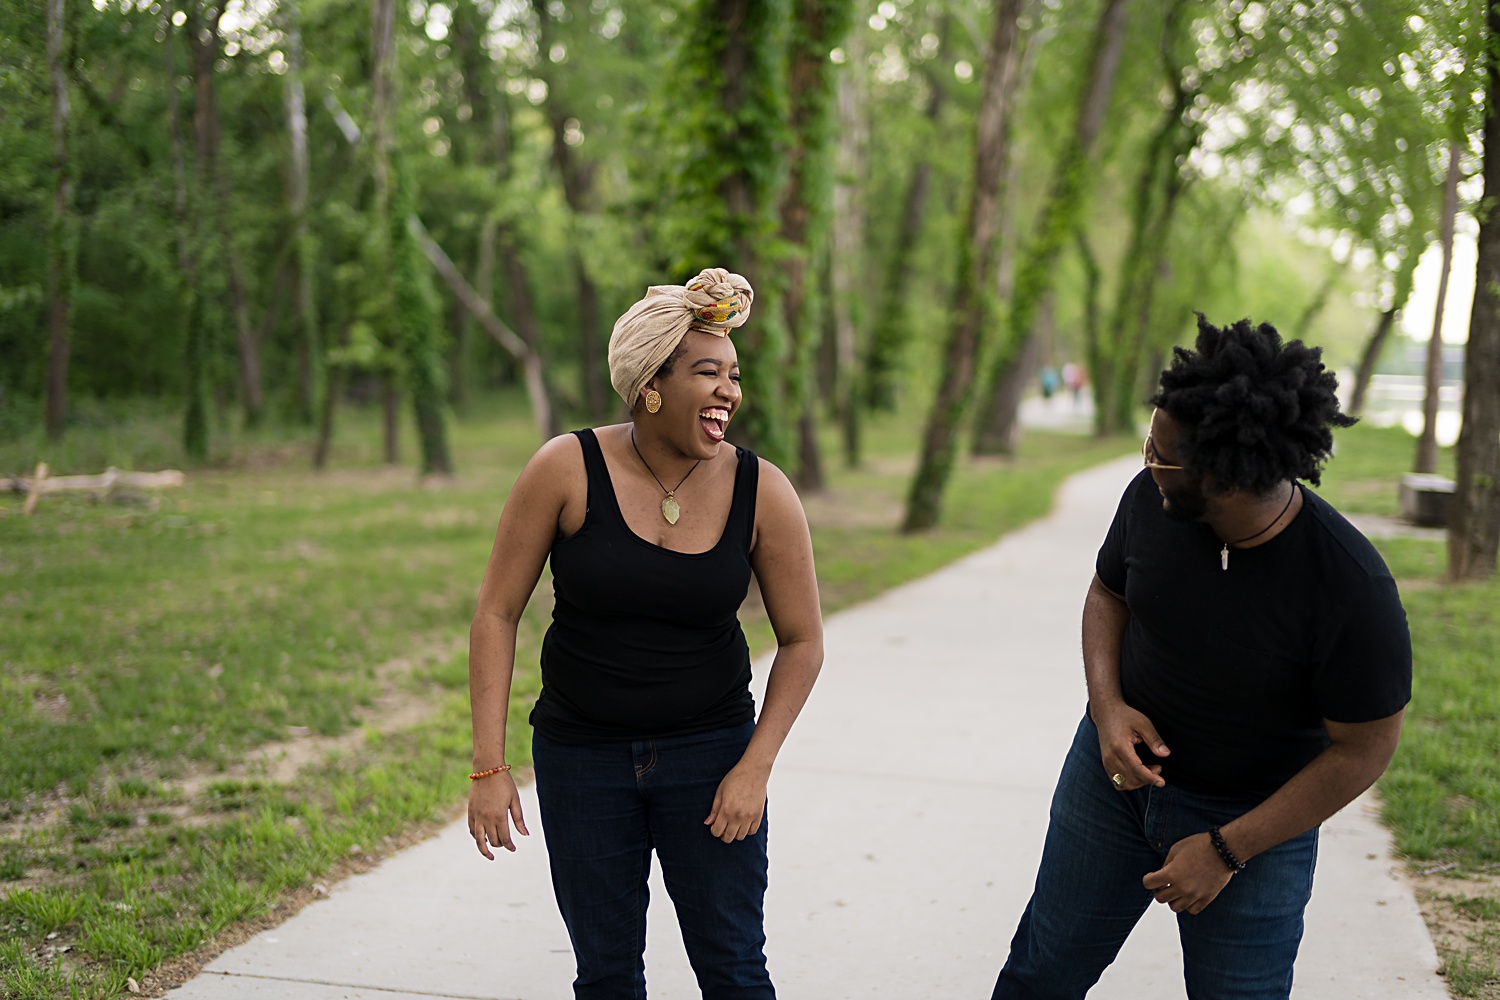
1474 527
974 307
1303 326
543 405
332 391
312 371
390 422
383 81
1367 360
1014 379
846 262
411 320
892 321
1157 192
203 38
996 429
817 26
739 48
477 307
60 242
489 103
480 309
578 191
1427 447
1093 280
195 382
484 286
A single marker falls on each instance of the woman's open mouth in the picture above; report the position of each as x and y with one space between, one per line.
715 419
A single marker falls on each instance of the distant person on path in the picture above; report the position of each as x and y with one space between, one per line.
646 736
1073 380
1248 666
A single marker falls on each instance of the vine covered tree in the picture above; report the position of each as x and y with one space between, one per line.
974 308
1474 526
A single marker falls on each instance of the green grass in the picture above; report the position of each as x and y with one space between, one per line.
150 650
1364 475
1441 794
152 647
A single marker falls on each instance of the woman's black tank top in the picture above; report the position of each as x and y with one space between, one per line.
645 641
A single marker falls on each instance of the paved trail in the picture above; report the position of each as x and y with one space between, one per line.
907 816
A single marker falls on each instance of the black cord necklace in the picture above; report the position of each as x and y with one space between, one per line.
1224 552
670 508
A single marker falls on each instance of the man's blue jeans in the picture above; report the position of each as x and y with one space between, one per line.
1100 844
605 808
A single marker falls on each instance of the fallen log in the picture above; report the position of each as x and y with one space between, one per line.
40 483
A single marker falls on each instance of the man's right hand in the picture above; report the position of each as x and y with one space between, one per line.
1120 729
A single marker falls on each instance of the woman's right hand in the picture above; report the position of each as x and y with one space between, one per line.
1120 729
493 803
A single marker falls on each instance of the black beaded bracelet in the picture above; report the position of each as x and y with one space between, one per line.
1225 854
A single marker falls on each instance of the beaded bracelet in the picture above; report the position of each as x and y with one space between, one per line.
485 774
1225 854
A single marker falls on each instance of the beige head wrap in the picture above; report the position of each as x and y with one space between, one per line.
715 302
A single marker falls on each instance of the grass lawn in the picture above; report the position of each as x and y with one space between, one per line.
1442 792
215 698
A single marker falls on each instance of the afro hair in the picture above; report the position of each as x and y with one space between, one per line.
1253 411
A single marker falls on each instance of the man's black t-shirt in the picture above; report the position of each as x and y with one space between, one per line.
1238 668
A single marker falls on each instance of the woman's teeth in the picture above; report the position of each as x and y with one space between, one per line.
714 419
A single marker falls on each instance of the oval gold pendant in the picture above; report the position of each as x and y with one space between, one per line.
670 510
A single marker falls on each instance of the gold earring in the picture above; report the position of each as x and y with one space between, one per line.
653 401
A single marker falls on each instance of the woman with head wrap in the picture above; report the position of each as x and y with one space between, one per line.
645 734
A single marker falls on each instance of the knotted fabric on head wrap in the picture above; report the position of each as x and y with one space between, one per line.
715 302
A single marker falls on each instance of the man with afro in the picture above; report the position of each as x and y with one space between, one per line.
1248 666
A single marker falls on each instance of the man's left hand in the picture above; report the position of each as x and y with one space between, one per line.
1192 877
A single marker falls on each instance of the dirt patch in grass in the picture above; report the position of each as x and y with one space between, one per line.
1463 917
396 706
846 508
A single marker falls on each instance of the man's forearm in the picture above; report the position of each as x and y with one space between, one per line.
1105 618
1329 782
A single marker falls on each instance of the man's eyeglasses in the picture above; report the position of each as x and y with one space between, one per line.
1148 454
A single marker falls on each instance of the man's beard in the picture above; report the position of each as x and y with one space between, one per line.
1187 502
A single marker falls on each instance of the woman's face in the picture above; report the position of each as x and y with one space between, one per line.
700 396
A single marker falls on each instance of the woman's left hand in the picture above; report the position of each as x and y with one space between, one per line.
739 803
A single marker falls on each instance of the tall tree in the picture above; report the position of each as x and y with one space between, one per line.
312 372
996 426
206 45
974 307
499 234
1427 447
730 124
892 320
1474 527
408 316
1158 194
577 176
817 26
846 257
60 238
189 314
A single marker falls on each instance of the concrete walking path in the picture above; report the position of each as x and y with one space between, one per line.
907 815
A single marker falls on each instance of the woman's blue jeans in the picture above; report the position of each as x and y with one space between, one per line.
1100 844
605 808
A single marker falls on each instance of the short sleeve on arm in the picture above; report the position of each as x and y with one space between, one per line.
1364 670
1110 563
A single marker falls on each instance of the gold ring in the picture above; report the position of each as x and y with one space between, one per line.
1118 779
